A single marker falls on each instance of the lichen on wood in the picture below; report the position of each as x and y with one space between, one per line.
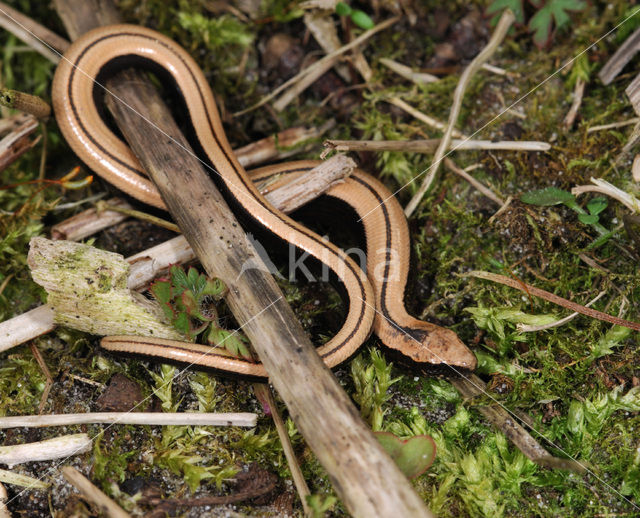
87 289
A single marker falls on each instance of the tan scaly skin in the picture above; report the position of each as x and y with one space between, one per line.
385 227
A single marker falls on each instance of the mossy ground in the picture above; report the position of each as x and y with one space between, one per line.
578 382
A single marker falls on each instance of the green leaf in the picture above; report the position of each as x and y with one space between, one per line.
547 196
413 456
588 219
611 339
343 9
552 12
215 288
234 342
597 205
161 290
362 19
182 324
497 6
178 278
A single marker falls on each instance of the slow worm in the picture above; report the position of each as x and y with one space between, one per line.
378 298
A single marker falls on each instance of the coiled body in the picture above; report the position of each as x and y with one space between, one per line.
79 118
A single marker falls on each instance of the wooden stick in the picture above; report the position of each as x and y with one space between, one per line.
4 510
90 492
10 477
613 125
537 292
32 33
419 78
31 104
620 58
264 393
18 141
478 185
429 121
49 449
322 64
138 418
499 417
430 145
499 33
578 94
364 476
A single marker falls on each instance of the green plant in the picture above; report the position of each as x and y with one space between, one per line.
372 383
358 17
320 504
187 301
550 15
413 456
554 196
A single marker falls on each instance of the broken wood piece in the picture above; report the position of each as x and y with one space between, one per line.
16 479
18 141
4 510
322 25
430 145
620 58
87 290
633 93
246 419
93 495
429 121
419 78
49 449
578 94
37 36
89 222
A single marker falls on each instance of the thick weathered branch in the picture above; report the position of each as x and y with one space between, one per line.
364 476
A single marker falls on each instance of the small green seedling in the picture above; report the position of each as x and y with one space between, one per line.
413 456
319 505
550 15
554 196
187 299
360 18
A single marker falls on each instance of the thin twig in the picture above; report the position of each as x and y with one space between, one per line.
17 142
138 418
106 506
578 94
478 185
499 33
325 64
4 510
296 473
523 328
49 449
614 125
430 145
604 187
532 290
24 102
429 121
47 373
32 33
16 479
102 206
419 78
